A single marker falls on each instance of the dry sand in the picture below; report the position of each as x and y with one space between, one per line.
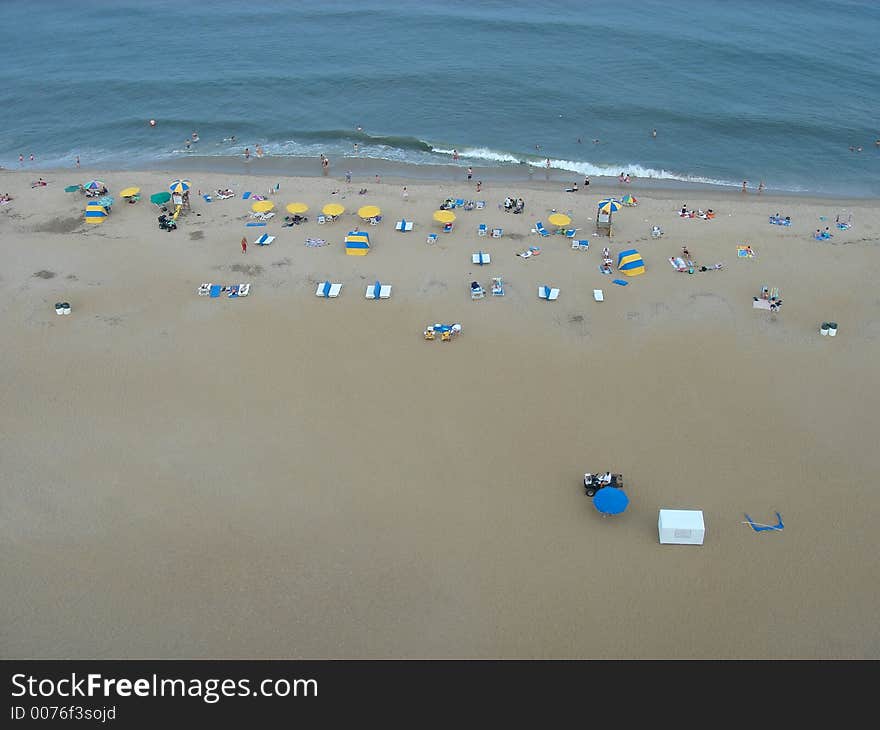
287 476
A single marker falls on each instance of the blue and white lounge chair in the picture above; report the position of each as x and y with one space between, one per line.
580 244
378 291
459 202
569 233
480 258
403 225
432 238
548 293
497 286
327 289
264 240
539 228
482 229
447 227
497 232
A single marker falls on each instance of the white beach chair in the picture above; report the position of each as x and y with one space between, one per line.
497 232
264 240
482 229
480 258
548 293
204 290
497 286
477 292
328 289
598 295
384 291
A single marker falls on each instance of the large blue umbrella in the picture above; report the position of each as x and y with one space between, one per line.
610 500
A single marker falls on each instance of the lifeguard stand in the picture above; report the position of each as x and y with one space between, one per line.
604 214
603 223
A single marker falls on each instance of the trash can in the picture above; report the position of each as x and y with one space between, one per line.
824 329
832 329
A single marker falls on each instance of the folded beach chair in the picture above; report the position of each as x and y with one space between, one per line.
327 289
432 238
477 292
403 226
378 291
480 258
540 230
546 292
497 232
598 295
264 240
497 286
482 229
246 195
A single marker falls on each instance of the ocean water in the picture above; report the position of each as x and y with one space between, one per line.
777 90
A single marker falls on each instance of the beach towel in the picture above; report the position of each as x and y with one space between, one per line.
758 527
215 290
245 196
619 282
315 242
744 252
207 198
254 225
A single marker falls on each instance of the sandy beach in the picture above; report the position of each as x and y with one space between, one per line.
287 476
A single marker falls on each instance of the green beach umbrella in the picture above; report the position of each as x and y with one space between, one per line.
160 198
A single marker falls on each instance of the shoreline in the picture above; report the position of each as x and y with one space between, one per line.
364 170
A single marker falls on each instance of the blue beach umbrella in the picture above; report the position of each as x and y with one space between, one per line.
609 205
610 500
179 186
106 201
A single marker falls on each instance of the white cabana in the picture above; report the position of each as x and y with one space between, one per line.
681 527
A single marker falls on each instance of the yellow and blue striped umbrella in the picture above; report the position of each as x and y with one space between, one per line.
95 213
609 205
179 186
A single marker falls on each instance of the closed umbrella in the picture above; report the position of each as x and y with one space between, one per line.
444 216
609 205
129 192
559 219
95 213
262 206
610 500
180 186
160 198
369 211
297 208
333 209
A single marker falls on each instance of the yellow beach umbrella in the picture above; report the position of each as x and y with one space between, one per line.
369 211
444 216
333 209
559 219
296 208
128 192
262 206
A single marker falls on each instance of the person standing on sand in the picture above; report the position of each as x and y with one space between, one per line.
378 179
479 185
470 172
745 185
244 244
454 154
325 164
405 193
348 176
761 187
